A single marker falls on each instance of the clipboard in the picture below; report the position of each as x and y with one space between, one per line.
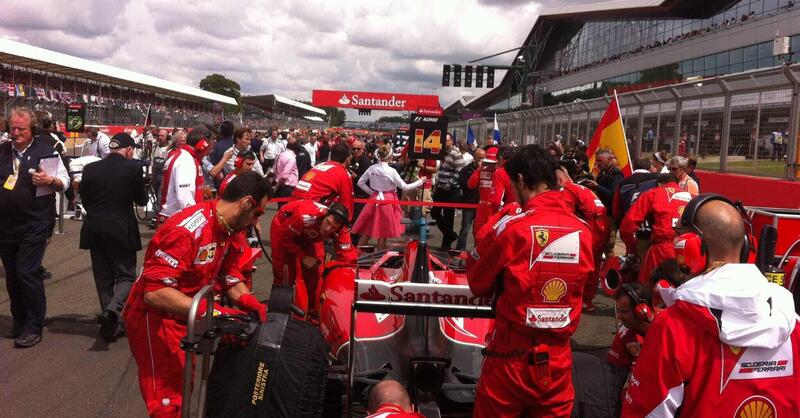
49 165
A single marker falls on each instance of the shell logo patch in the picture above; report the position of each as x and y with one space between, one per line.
542 236
554 290
756 407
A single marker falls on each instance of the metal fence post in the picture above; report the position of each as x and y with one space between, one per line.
726 128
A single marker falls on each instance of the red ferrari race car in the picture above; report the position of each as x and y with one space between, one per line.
416 321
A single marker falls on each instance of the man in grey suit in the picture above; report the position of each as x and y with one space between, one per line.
110 232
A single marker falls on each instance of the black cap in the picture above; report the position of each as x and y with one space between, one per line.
122 140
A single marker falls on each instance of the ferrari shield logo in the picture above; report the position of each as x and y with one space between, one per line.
542 236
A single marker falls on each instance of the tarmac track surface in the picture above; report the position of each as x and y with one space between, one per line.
74 373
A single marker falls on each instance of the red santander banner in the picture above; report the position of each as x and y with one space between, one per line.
374 101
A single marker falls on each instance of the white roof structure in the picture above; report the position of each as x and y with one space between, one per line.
314 118
295 103
276 103
23 55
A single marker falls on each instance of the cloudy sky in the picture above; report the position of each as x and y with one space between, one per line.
287 47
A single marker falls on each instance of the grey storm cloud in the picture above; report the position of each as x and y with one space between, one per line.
286 47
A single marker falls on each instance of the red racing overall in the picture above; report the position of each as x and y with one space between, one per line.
584 203
190 250
294 234
327 183
494 191
663 206
538 261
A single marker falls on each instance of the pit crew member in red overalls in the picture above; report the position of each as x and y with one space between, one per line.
297 235
389 399
243 163
182 184
730 344
191 249
329 182
635 312
584 203
536 263
494 189
662 206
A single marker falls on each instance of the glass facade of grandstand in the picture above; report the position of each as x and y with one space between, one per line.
750 115
598 43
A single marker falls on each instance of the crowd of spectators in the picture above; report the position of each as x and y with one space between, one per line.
659 43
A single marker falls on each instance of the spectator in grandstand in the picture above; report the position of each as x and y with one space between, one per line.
389 399
241 142
679 166
270 149
26 222
97 145
224 142
183 181
311 147
109 189
658 164
286 174
381 220
470 196
608 178
447 191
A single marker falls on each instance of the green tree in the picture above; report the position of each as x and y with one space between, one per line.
335 116
218 83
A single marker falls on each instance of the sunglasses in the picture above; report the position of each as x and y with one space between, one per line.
673 169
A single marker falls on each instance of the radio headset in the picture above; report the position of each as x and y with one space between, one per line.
690 248
642 309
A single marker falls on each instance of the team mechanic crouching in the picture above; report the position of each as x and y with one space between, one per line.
543 257
297 236
191 249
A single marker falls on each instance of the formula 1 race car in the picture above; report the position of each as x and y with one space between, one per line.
408 314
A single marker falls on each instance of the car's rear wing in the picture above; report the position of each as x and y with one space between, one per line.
407 298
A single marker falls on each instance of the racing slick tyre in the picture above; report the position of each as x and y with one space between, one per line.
280 373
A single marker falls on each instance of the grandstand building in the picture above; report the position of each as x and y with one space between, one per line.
702 75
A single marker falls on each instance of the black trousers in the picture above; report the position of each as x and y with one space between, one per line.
114 272
444 217
21 251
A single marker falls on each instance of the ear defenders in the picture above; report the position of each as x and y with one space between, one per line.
201 145
691 252
641 309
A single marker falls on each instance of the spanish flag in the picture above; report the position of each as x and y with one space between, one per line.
611 134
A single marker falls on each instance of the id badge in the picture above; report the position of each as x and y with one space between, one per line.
11 181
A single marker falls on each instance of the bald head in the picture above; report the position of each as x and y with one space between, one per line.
480 154
388 392
723 230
